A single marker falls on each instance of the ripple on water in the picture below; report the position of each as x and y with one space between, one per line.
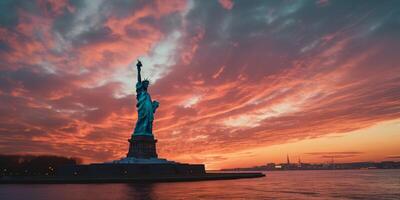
346 184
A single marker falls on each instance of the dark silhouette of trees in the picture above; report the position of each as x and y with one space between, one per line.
33 165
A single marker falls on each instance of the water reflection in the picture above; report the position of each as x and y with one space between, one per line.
140 191
335 184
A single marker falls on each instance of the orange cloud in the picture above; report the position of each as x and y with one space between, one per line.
232 85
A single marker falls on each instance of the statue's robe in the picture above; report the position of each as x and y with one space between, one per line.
146 109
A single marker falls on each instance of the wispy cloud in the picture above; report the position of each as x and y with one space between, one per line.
229 75
339 154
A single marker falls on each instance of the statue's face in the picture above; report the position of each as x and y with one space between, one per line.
145 84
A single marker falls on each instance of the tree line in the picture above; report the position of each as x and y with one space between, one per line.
33 165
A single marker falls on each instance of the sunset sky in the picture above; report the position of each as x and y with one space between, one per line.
240 83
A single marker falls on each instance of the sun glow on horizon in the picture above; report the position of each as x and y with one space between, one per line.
355 146
240 83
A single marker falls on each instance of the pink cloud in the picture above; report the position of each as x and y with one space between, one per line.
233 82
227 4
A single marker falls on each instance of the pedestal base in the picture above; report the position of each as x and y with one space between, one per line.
142 146
133 160
119 169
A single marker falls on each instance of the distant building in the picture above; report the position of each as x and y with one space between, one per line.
299 163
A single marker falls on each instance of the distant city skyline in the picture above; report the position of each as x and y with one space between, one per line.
239 82
271 166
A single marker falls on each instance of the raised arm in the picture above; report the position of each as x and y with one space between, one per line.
139 65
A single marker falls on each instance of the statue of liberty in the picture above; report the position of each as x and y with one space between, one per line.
145 106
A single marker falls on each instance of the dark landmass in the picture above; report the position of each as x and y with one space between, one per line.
33 165
30 169
326 166
135 179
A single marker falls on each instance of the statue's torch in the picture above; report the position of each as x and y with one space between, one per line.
139 64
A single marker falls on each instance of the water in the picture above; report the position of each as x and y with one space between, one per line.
335 184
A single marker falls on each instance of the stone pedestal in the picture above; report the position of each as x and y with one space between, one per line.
142 146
